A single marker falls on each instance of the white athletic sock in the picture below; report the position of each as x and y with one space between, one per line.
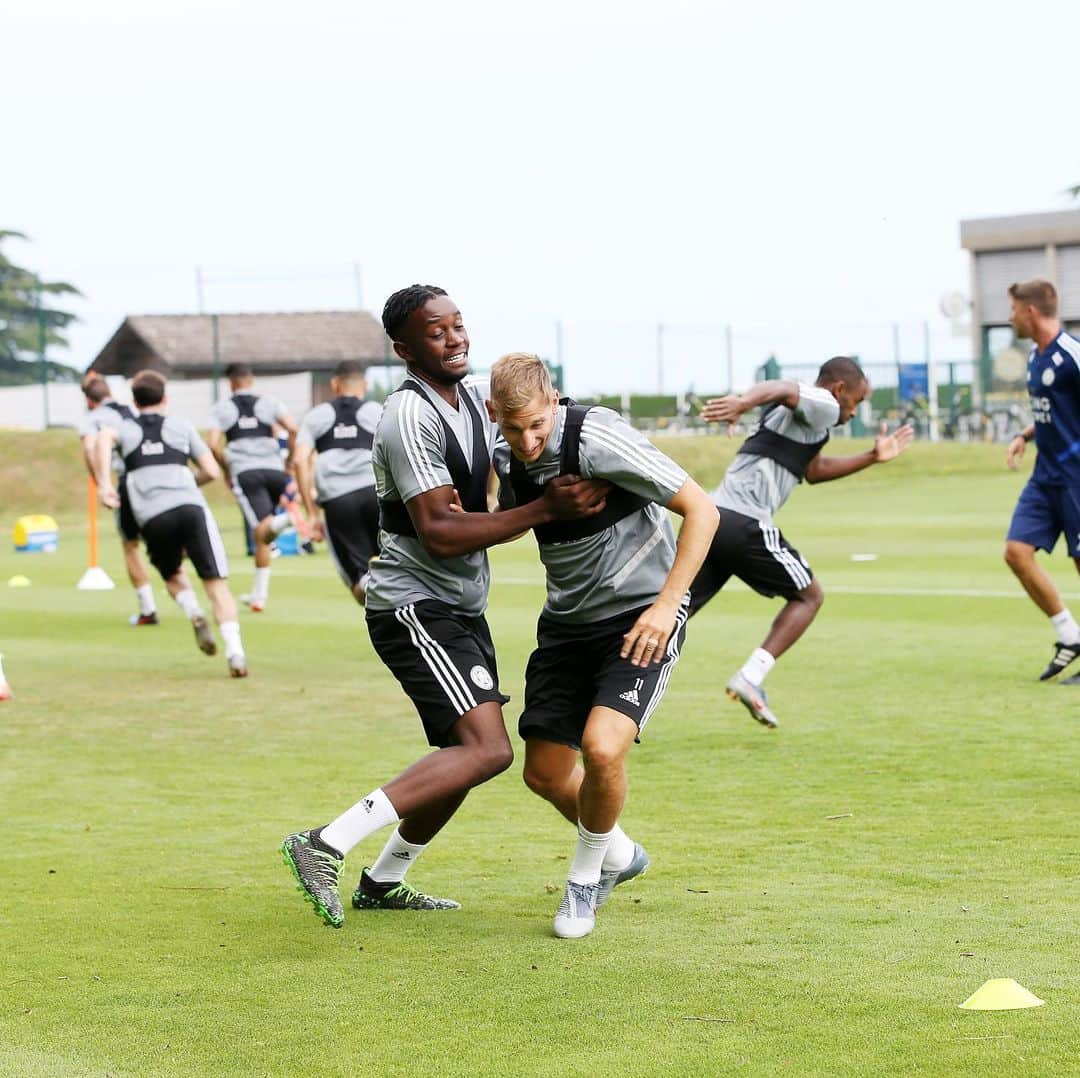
230 633
395 859
757 667
364 818
260 590
1068 632
589 856
189 603
279 522
620 851
145 595
3 679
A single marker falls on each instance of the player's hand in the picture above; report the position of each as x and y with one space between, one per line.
317 532
455 505
724 410
569 497
1015 452
108 497
647 641
887 446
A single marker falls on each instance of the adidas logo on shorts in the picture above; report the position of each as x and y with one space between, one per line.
631 695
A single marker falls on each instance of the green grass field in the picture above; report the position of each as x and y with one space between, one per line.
149 927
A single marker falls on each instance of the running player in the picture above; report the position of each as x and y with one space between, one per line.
782 450
614 621
335 477
241 437
426 597
1050 502
102 409
171 511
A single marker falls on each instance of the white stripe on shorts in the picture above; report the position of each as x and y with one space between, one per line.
245 506
439 662
792 566
672 652
217 547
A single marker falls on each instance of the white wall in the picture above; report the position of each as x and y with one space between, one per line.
23 407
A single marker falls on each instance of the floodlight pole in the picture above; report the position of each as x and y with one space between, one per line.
216 367
730 359
931 384
659 358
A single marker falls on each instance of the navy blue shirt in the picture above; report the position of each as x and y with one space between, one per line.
1053 383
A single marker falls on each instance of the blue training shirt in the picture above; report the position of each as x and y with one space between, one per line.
1053 383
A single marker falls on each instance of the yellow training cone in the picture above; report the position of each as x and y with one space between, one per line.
19 581
1001 994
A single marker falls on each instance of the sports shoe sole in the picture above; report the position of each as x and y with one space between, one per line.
204 638
770 722
320 910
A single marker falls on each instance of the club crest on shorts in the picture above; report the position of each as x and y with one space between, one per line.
481 678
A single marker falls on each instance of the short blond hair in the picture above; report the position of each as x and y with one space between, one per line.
517 379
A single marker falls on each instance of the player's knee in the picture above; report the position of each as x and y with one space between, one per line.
601 754
492 759
1017 556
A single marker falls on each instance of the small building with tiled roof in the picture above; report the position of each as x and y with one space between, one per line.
196 346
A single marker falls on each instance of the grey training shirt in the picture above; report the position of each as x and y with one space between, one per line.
623 567
246 454
339 471
158 488
95 420
757 486
409 458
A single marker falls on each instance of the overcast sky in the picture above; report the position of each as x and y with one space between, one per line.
795 170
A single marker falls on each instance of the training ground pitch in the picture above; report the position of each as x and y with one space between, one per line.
820 898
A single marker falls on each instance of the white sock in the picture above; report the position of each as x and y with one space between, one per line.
279 522
1068 632
230 633
395 859
620 851
3 679
589 856
189 603
757 667
260 590
364 818
145 595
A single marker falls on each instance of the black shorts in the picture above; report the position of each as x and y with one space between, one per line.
578 667
351 522
186 530
126 524
258 491
757 553
444 661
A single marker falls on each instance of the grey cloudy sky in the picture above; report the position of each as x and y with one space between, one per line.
797 170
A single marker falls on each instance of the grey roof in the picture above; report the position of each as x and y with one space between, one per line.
1024 230
281 342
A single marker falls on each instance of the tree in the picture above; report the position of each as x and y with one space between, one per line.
22 293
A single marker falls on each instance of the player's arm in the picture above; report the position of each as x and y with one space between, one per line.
1017 446
215 439
447 532
304 465
886 447
206 468
288 424
700 521
102 467
728 409
89 441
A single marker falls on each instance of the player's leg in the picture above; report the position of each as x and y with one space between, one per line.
137 570
772 566
1040 516
258 492
205 548
164 537
446 664
350 540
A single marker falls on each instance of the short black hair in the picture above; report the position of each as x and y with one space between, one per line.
349 369
148 388
403 302
841 369
236 371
